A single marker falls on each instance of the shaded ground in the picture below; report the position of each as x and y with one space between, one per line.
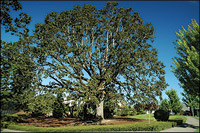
190 125
52 122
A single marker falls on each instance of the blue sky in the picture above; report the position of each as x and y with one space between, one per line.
167 18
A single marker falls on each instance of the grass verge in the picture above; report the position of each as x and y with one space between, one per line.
179 119
196 117
197 130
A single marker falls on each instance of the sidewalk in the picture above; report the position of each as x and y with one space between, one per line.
190 125
8 130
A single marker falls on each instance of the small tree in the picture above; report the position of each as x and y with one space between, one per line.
164 105
58 107
174 101
190 101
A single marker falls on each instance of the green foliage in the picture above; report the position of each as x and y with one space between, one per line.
58 107
125 111
133 112
179 119
86 112
85 50
140 108
190 100
164 105
161 115
41 104
142 126
14 117
18 69
18 25
174 101
186 65
4 124
18 74
110 104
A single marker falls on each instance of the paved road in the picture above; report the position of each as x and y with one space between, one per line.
190 125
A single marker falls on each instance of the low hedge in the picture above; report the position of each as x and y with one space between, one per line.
14 117
178 119
142 126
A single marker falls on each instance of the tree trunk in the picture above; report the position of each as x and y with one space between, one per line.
193 112
99 107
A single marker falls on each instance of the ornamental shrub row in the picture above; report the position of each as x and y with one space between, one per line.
142 126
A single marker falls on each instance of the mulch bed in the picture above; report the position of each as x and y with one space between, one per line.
69 122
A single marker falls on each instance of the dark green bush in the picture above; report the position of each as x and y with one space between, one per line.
86 112
108 113
161 115
58 108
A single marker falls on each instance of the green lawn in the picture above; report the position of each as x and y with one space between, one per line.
144 116
171 117
195 117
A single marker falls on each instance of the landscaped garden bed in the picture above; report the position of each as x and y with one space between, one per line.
49 124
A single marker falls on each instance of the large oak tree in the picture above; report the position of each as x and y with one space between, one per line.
86 50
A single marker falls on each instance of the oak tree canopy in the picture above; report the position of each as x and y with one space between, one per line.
86 51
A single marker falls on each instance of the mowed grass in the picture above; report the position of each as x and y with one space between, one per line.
144 116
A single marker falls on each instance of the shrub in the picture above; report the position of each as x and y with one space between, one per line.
58 108
4 124
133 112
14 117
118 113
181 112
108 113
86 112
161 115
142 126
125 111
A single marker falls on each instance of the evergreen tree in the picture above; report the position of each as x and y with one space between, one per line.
85 50
186 65
174 101
164 105
58 108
